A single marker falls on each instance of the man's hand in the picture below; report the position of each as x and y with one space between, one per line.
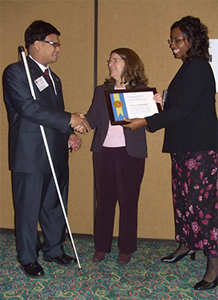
79 123
136 123
75 142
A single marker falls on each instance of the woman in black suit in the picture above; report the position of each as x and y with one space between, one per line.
190 123
118 159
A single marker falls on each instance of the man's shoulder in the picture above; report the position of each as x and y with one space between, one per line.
18 68
15 65
13 68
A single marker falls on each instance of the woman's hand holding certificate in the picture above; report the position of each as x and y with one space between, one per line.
136 123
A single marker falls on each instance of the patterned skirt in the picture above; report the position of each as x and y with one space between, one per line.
195 194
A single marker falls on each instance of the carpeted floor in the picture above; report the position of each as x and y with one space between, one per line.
145 277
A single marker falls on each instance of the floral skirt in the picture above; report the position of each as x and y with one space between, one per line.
195 194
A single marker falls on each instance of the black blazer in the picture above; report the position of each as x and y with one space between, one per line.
190 116
26 148
98 118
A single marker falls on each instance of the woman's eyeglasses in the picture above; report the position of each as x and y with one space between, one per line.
114 60
176 41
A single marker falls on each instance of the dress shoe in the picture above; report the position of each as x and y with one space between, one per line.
204 285
33 270
62 260
123 259
98 256
172 259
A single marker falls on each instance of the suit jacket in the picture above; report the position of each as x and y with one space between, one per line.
98 118
26 148
190 116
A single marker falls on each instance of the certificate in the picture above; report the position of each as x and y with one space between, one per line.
134 103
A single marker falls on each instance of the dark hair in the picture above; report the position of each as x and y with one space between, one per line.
197 35
133 72
38 31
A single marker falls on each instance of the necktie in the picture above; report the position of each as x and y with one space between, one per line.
46 72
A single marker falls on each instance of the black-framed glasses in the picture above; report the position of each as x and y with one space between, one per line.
55 44
174 41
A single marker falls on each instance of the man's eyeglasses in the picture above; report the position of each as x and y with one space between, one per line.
114 60
53 44
176 41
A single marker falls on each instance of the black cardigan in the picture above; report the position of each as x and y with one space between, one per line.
98 118
189 117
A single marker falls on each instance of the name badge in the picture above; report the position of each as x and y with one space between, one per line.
41 83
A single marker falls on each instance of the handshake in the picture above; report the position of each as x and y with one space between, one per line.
79 123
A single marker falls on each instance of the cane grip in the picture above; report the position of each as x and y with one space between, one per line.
21 49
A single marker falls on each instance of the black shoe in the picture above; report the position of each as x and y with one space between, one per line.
33 270
172 259
63 259
204 285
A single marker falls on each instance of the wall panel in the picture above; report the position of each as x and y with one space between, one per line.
75 21
142 25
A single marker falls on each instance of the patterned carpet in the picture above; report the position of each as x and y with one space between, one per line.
145 277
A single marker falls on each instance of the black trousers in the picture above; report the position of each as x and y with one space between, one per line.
118 177
36 200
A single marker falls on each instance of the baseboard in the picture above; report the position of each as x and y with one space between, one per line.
90 236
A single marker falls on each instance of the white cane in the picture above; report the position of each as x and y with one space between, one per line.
22 52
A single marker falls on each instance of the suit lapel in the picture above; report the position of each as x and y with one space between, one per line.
36 72
57 83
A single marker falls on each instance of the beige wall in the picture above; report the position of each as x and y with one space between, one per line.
142 25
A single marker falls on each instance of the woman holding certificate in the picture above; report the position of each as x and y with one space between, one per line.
190 122
118 159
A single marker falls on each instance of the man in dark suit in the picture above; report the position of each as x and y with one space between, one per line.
34 193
